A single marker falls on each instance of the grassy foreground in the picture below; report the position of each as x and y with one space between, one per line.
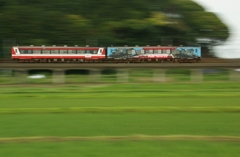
121 149
120 120
119 124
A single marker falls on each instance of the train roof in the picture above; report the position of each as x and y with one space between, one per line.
43 46
76 46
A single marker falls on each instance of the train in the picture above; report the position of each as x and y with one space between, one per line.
112 54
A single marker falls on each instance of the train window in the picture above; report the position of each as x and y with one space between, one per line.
117 50
191 51
142 51
175 52
63 51
129 51
124 51
168 51
54 51
46 51
134 52
148 51
26 51
71 52
36 51
89 52
74 51
94 51
164 51
157 51
138 52
80 51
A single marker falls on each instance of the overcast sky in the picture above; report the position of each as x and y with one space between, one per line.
229 12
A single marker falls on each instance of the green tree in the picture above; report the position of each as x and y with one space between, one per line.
110 22
21 23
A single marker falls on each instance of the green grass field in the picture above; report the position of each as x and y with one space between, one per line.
120 124
172 119
112 76
121 149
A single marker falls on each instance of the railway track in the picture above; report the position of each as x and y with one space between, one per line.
219 60
203 60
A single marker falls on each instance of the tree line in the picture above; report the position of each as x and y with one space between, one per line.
107 22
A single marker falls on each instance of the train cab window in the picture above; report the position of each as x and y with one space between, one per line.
45 51
36 51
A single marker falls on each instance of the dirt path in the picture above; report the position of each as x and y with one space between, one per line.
122 138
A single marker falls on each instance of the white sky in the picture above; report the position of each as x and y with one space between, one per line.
229 12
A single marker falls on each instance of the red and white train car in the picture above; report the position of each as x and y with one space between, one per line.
57 53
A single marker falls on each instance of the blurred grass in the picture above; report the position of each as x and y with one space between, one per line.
132 110
181 75
119 124
112 76
160 109
212 97
216 75
147 90
121 149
